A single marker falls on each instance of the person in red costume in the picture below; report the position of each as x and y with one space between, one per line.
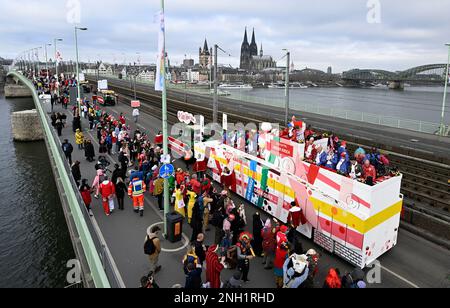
310 150
214 267
200 167
281 255
107 190
196 185
369 170
159 139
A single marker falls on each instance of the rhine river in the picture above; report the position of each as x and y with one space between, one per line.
414 103
34 241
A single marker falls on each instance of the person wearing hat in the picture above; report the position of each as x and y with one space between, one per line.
244 254
281 254
343 165
313 261
153 237
214 266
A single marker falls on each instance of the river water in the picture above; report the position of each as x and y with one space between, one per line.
34 241
414 103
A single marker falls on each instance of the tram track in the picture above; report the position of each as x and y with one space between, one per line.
425 185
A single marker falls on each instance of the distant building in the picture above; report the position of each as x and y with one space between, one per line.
124 73
330 70
188 63
261 62
102 69
250 60
147 75
190 76
109 71
205 56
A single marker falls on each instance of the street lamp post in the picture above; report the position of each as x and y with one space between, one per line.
164 120
56 57
442 128
288 60
46 60
78 70
216 96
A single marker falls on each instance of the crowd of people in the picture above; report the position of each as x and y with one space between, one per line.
206 207
368 168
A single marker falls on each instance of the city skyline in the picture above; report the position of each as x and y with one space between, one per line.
319 35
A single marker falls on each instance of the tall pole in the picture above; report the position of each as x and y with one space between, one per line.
216 96
165 130
77 69
288 60
56 65
442 130
46 60
78 72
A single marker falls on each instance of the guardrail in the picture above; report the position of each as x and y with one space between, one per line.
100 262
394 122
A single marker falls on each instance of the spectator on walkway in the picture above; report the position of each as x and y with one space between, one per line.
214 267
86 192
258 225
79 139
136 115
67 149
121 191
158 192
152 248
76 172
89 151
269 244
200 248
59 127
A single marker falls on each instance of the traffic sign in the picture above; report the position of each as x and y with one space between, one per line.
166 171
165 159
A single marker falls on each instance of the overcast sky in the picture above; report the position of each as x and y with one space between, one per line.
344 34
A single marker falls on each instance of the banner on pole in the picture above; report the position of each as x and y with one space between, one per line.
225 122
160 63
135 104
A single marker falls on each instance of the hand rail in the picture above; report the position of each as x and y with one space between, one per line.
91 251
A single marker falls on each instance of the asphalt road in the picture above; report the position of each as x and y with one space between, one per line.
413 263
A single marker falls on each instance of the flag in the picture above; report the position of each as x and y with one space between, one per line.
160 63
58 56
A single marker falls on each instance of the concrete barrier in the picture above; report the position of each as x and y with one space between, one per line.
26 126
12 90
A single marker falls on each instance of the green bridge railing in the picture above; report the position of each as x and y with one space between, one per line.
101 266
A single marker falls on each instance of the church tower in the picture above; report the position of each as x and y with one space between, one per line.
205 56
245 53
253 46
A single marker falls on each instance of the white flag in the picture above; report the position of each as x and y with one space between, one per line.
160 63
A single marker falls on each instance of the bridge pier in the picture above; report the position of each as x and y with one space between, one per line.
397 85
26 126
